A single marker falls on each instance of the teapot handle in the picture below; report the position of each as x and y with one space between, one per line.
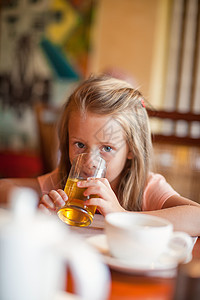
92 276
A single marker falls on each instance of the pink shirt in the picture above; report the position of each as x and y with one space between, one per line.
156 192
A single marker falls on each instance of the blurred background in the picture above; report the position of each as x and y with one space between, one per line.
48 46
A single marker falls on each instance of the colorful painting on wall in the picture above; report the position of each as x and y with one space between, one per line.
41 42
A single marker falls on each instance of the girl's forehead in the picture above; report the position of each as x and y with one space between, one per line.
102 127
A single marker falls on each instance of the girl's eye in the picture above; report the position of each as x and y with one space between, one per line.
107 148
80 145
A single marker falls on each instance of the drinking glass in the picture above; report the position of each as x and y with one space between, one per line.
75 212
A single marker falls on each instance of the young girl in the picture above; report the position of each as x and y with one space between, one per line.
107 116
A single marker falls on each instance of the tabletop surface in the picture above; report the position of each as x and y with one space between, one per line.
126 286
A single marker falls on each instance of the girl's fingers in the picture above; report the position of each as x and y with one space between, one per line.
105 206
93 182
94 201
57 198
100 187
63 195
47 201
53 200
96 190
45 210
107 201
102 205
103 180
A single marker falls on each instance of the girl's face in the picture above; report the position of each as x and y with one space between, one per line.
101 135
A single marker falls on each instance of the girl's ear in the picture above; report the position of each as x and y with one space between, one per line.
130 155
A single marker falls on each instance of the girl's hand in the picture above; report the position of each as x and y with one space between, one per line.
50 202
107 201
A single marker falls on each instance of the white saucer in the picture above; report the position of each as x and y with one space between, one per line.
166 267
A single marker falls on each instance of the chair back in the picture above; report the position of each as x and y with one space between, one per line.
176 144
47 117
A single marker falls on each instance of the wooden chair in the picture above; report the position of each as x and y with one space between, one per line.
174 137
47 117
177 149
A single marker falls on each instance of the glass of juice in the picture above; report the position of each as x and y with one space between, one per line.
75 212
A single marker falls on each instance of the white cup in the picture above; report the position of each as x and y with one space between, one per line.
142 239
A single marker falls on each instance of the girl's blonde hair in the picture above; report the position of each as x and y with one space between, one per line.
109 96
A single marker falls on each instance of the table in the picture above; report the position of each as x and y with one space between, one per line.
127 286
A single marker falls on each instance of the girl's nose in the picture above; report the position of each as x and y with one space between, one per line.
94 165
91 161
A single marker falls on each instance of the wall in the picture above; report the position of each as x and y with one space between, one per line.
132 35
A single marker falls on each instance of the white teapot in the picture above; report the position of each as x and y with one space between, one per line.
35 250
